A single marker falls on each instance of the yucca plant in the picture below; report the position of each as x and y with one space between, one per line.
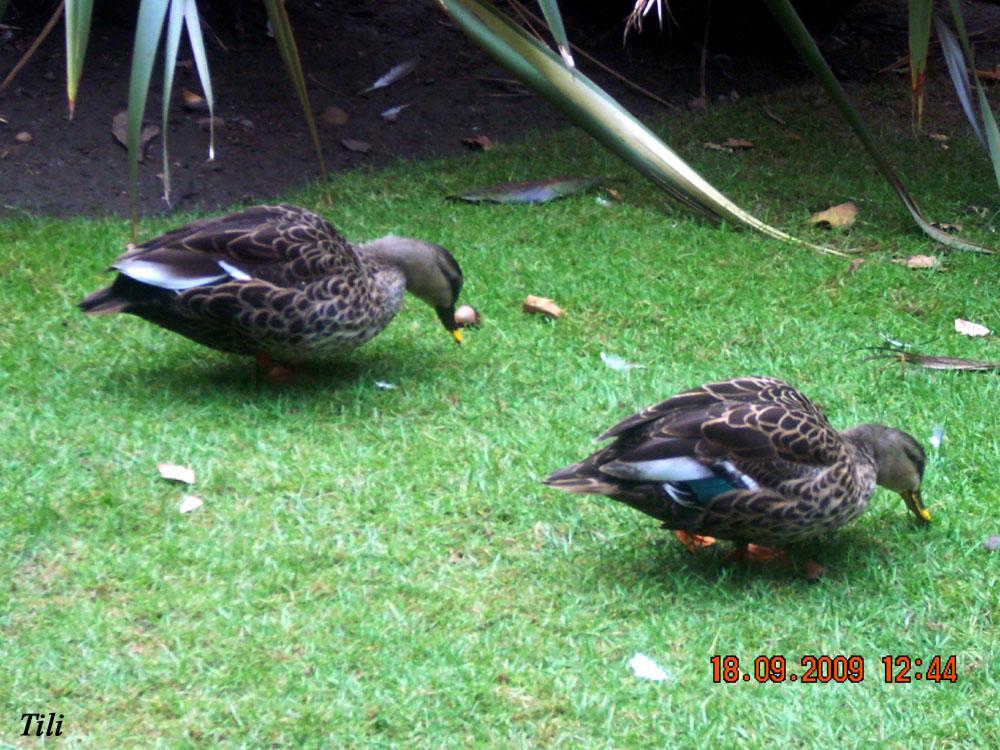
166 20
553 76
591 108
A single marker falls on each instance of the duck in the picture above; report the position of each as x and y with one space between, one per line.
278 283
751 460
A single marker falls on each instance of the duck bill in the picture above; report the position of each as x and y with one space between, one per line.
916 505
447 317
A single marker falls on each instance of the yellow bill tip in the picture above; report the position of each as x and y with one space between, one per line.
457 335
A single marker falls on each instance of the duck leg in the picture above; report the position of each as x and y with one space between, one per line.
758 554
275 373
693 542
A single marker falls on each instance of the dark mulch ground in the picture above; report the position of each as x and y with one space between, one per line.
264 148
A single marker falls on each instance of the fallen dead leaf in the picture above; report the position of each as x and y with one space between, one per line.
190 503
352 144
939 137
24 137
467 316
616 363
814 571
968 328
646 669
919 261
709 146
206 123
840 216
950 228
176 473
541 306
119 129
395 73
333 116
698 104
192 101
613 194
392 114
738 144
479 142
992 544
855 265
774 117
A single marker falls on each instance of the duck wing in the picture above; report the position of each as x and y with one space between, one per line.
282 244
754 419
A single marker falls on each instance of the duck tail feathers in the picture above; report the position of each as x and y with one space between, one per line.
102 302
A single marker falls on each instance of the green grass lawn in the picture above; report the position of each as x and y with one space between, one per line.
383 568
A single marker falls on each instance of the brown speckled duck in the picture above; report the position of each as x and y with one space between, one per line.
751 460
278 282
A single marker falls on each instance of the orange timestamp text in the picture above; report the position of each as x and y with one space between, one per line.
823 669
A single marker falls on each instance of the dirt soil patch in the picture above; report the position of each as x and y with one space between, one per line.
264 150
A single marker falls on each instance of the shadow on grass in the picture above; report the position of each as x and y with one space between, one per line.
669 569
208 376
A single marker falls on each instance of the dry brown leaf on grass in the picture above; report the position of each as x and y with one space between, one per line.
478 142
890 351
24 137
968 328
919 261
119 129
840 216
541 306
738 144
176 473
855 265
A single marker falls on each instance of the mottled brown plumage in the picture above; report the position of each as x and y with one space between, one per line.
749 459
277 281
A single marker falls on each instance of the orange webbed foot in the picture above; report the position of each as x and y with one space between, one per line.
694 542
755 553
277 374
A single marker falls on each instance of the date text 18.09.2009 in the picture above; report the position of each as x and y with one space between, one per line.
823 669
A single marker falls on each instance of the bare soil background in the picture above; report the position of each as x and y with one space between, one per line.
263 148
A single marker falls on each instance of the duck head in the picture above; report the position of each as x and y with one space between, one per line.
899 462
432 274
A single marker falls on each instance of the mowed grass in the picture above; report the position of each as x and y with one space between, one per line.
383 568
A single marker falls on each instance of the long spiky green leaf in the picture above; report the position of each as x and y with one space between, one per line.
290 55
587 105
989 122
800 38
550 9
175 24
148 29
78 15
192 22
955 62
920 12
